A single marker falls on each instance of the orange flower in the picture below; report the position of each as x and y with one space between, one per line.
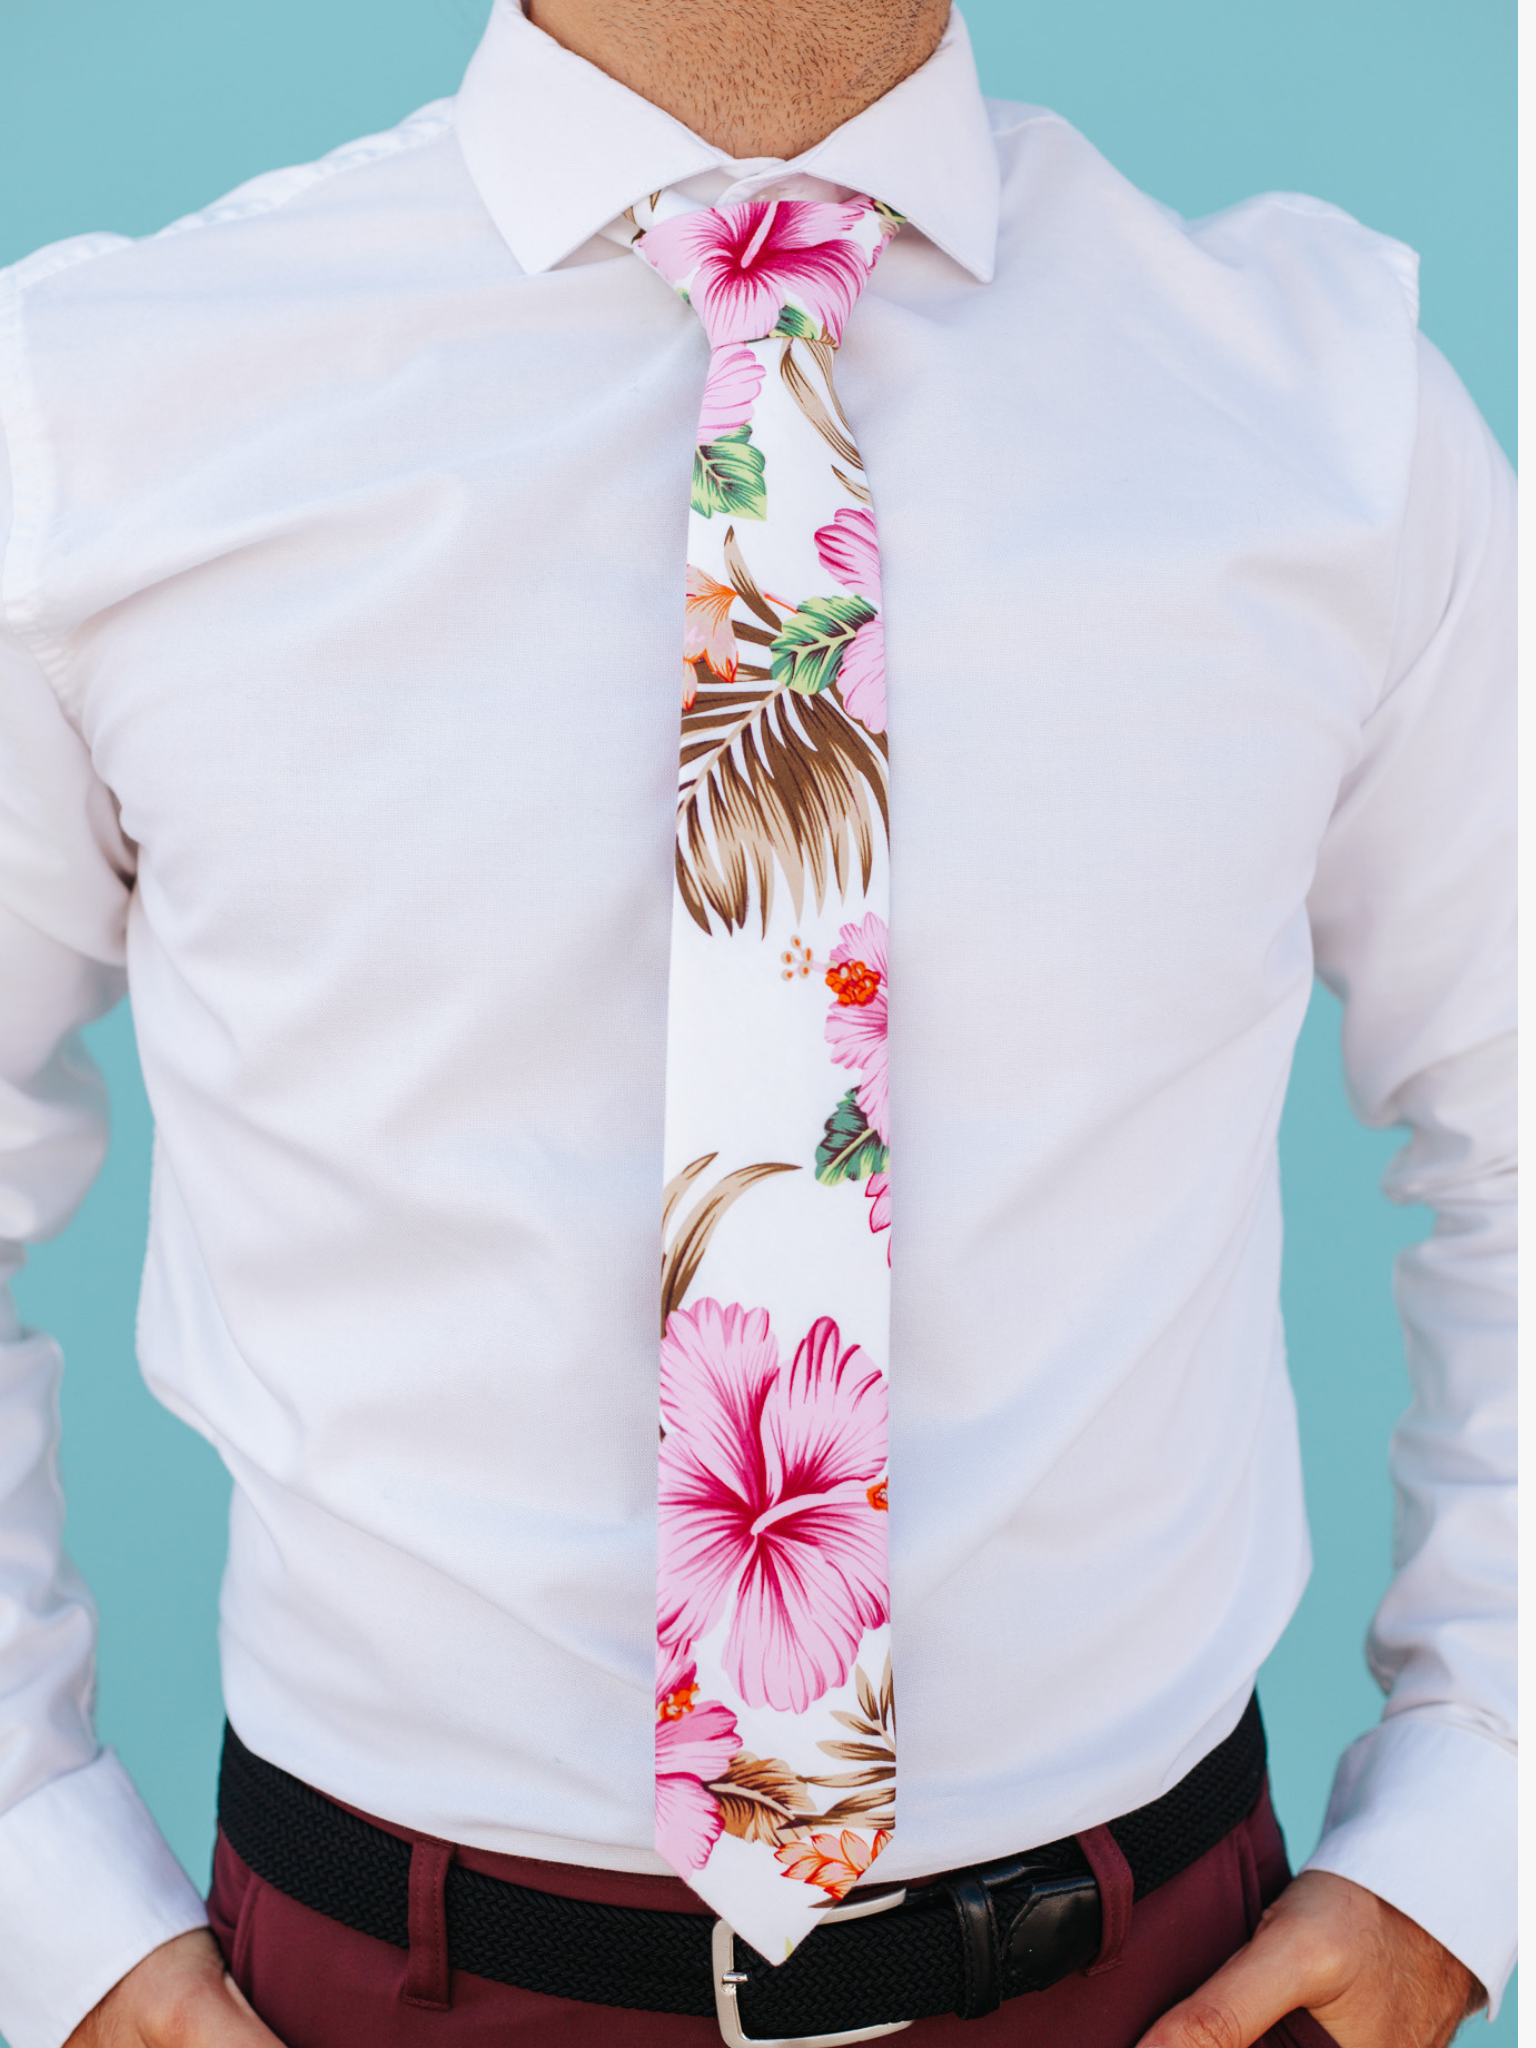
834 1862
707 634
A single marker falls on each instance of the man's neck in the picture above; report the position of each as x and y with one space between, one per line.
753 77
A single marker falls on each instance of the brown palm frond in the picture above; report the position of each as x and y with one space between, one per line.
859 1727
745 586
680 1259
761 1799
858 1752
875 1754
869 1699
872 1809
824 354
805 395
860 491
679 1185
774 782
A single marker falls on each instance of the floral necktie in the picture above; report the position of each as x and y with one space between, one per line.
775 1722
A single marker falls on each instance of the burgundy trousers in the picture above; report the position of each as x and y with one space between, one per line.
317 1984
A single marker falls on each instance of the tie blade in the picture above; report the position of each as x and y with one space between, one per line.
774 1916
775 1733
773 1844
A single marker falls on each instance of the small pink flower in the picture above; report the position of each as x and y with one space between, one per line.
858 1021
765 1508
695 1741
730 392
861 679
850 551
877 1189
741 264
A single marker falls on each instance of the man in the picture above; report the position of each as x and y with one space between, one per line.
1168 571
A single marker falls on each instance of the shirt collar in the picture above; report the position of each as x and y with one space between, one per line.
558 149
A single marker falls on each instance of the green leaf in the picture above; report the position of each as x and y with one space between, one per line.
809 651
792 321
728 477
849 1149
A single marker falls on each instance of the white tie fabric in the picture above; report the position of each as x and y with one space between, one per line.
775 1714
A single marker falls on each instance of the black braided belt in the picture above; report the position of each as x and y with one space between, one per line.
958 1944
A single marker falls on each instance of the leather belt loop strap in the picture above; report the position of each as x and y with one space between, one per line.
978 1945
427 1980
1117 1889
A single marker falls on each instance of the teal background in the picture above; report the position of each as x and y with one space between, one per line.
122 117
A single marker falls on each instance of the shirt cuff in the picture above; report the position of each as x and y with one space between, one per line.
1423 1814
88 1886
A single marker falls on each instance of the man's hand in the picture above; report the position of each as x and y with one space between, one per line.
178 1997
1366 1972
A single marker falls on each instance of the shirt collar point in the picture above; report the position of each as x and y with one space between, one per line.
550 183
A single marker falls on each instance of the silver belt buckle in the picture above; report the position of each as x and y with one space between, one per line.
727 1977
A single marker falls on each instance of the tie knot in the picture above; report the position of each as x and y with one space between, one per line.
771 266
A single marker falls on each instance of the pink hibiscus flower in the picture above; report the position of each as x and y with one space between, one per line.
740 264
730 392
850 551
877 1189
694 1746
765 1505
857 1022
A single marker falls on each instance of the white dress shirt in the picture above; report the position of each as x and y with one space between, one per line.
342 579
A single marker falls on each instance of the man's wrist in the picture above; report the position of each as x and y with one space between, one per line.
88 1888
1423 1815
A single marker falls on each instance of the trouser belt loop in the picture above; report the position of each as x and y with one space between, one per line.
978 1945
1117 1891
427 1980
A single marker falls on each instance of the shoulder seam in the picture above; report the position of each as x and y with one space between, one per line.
265 193
54 257
1402 258
270 190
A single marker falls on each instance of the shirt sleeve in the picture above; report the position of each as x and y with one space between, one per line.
1413 917
87 1884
